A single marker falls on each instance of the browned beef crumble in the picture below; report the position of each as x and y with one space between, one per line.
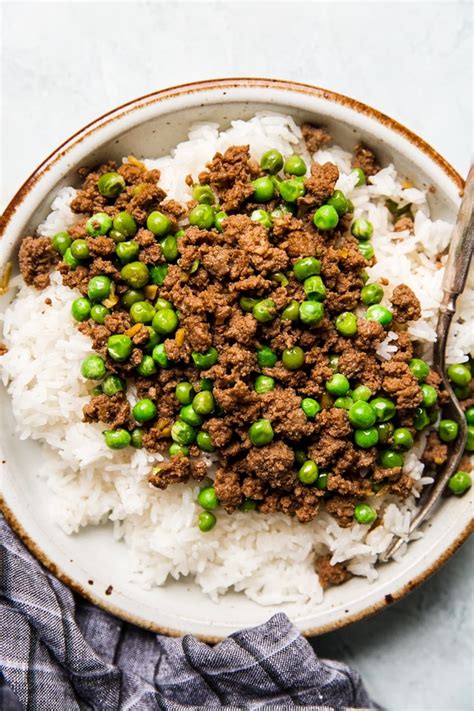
331 574
241 261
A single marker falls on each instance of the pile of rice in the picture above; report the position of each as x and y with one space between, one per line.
270 558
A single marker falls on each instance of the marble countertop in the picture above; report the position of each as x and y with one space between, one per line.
66 63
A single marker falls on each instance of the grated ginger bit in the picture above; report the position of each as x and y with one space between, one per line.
343 253
407 184
166 431
180 336
151 291
134 161
133 330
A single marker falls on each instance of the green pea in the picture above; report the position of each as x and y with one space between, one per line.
338 385
117 439
293 358
366 438
184 392
421 419
247 303
142 312
379 313
362 415
119 347
110 184
136 438
112 385
295 165
402 439
99 288
360 177
469 415
460 483
339 202
161 303
98 224
125 224
282 210
116 236
248 505
462 392
291 312
206 521
61 242
204 441
81 309
419 368
189 415
158 274
364 276
261 433
266 358
290 190
334 362
205 360
263 384
263 189
205 384
470 439
390 459
264 310
182 433
169 248
383 408
93 367
158 223
272 161
132 296
362 392
127 251
300 456
371 294
135 274
70 260
219 219
207 498
310 407
314 288
194 266
165 321
202 216
346 323
459 374
97 391
262 217
343 403
204 195
80 249
311 312
322 480
430 396
178 450
325 218
146 367
144 410
159 355
365 514
385 431
99 313
204 403
362 228
306 267
308 473
366 249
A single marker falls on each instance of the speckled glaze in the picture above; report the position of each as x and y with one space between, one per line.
91 562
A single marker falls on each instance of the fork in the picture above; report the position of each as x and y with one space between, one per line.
454 280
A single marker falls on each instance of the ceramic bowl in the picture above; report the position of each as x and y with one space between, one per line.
91 562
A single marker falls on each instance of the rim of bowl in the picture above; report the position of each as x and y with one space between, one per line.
114 114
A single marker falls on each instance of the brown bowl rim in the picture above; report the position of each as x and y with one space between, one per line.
118 112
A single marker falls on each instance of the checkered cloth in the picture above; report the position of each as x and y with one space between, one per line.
59 653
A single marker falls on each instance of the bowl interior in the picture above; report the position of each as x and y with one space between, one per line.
92 561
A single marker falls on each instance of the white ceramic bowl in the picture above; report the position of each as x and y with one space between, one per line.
91 561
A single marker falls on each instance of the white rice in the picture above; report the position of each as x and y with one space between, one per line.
269 558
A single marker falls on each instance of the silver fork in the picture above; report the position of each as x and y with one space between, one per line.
455 275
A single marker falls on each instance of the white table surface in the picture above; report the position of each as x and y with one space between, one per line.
65 63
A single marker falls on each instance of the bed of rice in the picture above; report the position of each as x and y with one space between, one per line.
269 558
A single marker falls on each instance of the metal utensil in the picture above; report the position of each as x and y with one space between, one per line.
455 275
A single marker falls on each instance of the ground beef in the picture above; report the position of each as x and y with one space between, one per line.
403 223
230 175
406 306
113 410
400 383
364 158
177 471
228 489
272 464
320 185
37 257
330 574
342 508
436 452
315 137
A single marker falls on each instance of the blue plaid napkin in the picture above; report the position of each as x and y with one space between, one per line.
59 653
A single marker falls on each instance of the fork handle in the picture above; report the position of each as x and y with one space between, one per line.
462 243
